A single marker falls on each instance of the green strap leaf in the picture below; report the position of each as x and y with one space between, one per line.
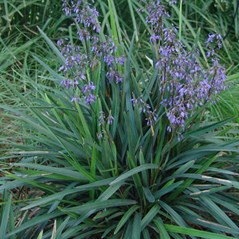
161 227
125 218
99 205
195 232
52 45
150 216
136 231
7 200
134 171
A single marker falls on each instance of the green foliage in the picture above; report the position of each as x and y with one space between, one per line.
63 181
216 16
24 16
78 180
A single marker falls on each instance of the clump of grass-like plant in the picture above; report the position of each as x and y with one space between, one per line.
124 149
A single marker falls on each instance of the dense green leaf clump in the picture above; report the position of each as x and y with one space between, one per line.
108 168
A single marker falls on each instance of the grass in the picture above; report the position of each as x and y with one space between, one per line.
58 180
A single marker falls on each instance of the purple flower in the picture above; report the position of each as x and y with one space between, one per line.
110 120
82 13
213 38
89 99
114 75
100 135
183 84
75 99
109 60
66 83
101 118
84 35
60 42
210 38
77 62
75 83
172 2
155 38
88 88
169 35
120 60
152 117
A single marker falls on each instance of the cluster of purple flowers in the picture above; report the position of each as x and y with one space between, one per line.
83 13
90 52
184 84
151 116
102 120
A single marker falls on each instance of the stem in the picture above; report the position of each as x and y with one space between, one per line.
180 19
